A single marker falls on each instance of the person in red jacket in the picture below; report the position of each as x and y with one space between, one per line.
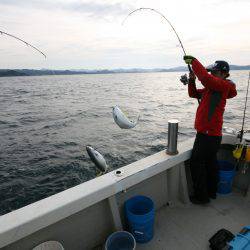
208 124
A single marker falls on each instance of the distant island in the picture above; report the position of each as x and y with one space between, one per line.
41 72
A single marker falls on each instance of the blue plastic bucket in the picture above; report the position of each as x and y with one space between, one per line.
226 174
120 240
140 214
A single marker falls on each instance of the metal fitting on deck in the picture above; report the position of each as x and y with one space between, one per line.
172 137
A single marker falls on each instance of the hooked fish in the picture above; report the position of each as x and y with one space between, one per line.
121 119
97 158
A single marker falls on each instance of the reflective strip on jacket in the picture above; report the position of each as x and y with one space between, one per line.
209 115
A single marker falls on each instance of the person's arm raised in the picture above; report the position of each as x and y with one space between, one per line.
208 80
192 90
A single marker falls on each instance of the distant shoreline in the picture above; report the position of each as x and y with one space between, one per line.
44 72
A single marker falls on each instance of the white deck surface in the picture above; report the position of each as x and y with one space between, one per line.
190 227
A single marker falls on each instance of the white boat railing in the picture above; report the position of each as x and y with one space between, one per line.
25 221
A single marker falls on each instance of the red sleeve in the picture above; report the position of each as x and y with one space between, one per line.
233 92
193 91
208 80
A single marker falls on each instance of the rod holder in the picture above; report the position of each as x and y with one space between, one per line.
172 137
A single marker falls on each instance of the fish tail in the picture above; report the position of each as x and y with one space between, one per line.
138 118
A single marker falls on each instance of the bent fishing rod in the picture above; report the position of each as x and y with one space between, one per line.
21 40
244 114
159 13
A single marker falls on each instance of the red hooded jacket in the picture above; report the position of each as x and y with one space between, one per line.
209 115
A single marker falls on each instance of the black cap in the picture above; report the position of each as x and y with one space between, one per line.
219 66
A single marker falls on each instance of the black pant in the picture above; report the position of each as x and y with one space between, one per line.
203 165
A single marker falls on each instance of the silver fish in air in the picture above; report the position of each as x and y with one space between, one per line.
121 119
97 158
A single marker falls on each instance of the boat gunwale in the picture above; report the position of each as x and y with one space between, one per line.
38 215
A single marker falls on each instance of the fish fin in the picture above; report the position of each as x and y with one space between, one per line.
99 174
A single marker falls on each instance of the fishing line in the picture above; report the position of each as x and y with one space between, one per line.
21 40
159 13
171 25
243 121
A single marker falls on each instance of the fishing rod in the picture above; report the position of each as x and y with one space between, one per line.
240 152
159 13
243 121
171 25
19 39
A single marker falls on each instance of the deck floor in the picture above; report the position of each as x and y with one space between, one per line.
190 227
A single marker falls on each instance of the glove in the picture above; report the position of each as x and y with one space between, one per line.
188 59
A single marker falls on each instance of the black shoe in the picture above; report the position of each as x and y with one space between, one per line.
196 201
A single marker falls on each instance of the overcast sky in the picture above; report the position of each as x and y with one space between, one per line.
79 34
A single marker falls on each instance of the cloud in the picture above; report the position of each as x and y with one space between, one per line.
93 8
84 33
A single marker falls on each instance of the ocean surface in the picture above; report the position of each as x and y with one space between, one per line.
47 121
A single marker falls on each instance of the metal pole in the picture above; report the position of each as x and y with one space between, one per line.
172 137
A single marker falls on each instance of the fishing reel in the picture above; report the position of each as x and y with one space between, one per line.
184 79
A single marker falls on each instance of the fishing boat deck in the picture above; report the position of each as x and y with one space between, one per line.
191 226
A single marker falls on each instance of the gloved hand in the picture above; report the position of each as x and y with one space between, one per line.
188 59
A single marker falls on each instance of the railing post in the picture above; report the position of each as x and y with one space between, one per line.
172 137
115 213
